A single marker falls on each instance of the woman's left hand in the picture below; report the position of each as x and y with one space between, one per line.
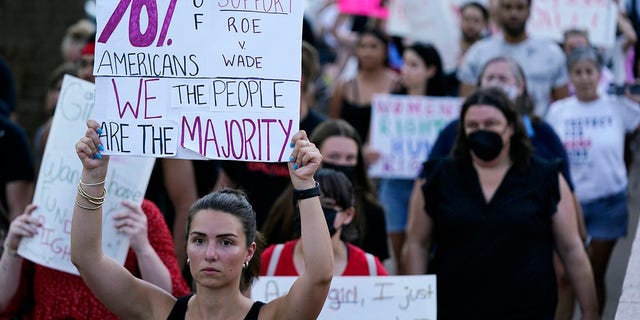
304 162
133 223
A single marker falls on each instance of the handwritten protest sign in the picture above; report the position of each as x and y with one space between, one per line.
393 297
199 79
403 130
550 18
371 8
58 179
435 22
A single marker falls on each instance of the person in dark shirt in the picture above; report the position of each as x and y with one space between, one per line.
495 214
16 168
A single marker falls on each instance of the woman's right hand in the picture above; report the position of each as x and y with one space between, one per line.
89 148
22 226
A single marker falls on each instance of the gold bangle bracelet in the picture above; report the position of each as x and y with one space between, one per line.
93 184
87 208
90 198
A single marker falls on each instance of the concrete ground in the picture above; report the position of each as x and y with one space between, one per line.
618 267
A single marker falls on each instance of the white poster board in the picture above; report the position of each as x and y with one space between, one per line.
58 179
199 79
438 22
550 18
384 298
435 22
403 130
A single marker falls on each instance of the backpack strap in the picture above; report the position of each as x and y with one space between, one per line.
275 258
371 263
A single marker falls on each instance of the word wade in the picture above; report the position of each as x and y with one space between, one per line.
248 139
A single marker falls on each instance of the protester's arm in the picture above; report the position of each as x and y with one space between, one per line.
308 293
130 297
419 228
625 26
573 254
180 183
133 223
335 103
10 263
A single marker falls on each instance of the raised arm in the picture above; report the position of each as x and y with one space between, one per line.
10 262
336 100
130 297
573 253
308 293
419 227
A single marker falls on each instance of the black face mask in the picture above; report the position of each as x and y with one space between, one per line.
329 215
349 171
485 144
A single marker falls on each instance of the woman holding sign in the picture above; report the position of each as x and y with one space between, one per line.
495 214
35 291
221 230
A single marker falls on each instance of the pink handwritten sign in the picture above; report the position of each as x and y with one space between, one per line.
371 8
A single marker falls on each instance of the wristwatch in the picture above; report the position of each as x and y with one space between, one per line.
306 193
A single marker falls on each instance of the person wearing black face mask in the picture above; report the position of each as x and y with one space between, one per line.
337 198
341 150
485 144
495 213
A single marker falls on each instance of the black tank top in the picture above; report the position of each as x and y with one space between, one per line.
180 309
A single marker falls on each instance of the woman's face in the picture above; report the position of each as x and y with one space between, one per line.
414 72
500 74
585 76
341 151
487 117
371 52
217 248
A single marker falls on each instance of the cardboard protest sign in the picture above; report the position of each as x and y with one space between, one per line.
403 130
58 180
550 18
389 297
371 8
199 79
435 22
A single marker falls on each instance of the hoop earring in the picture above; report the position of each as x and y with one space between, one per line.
188 260
245 265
